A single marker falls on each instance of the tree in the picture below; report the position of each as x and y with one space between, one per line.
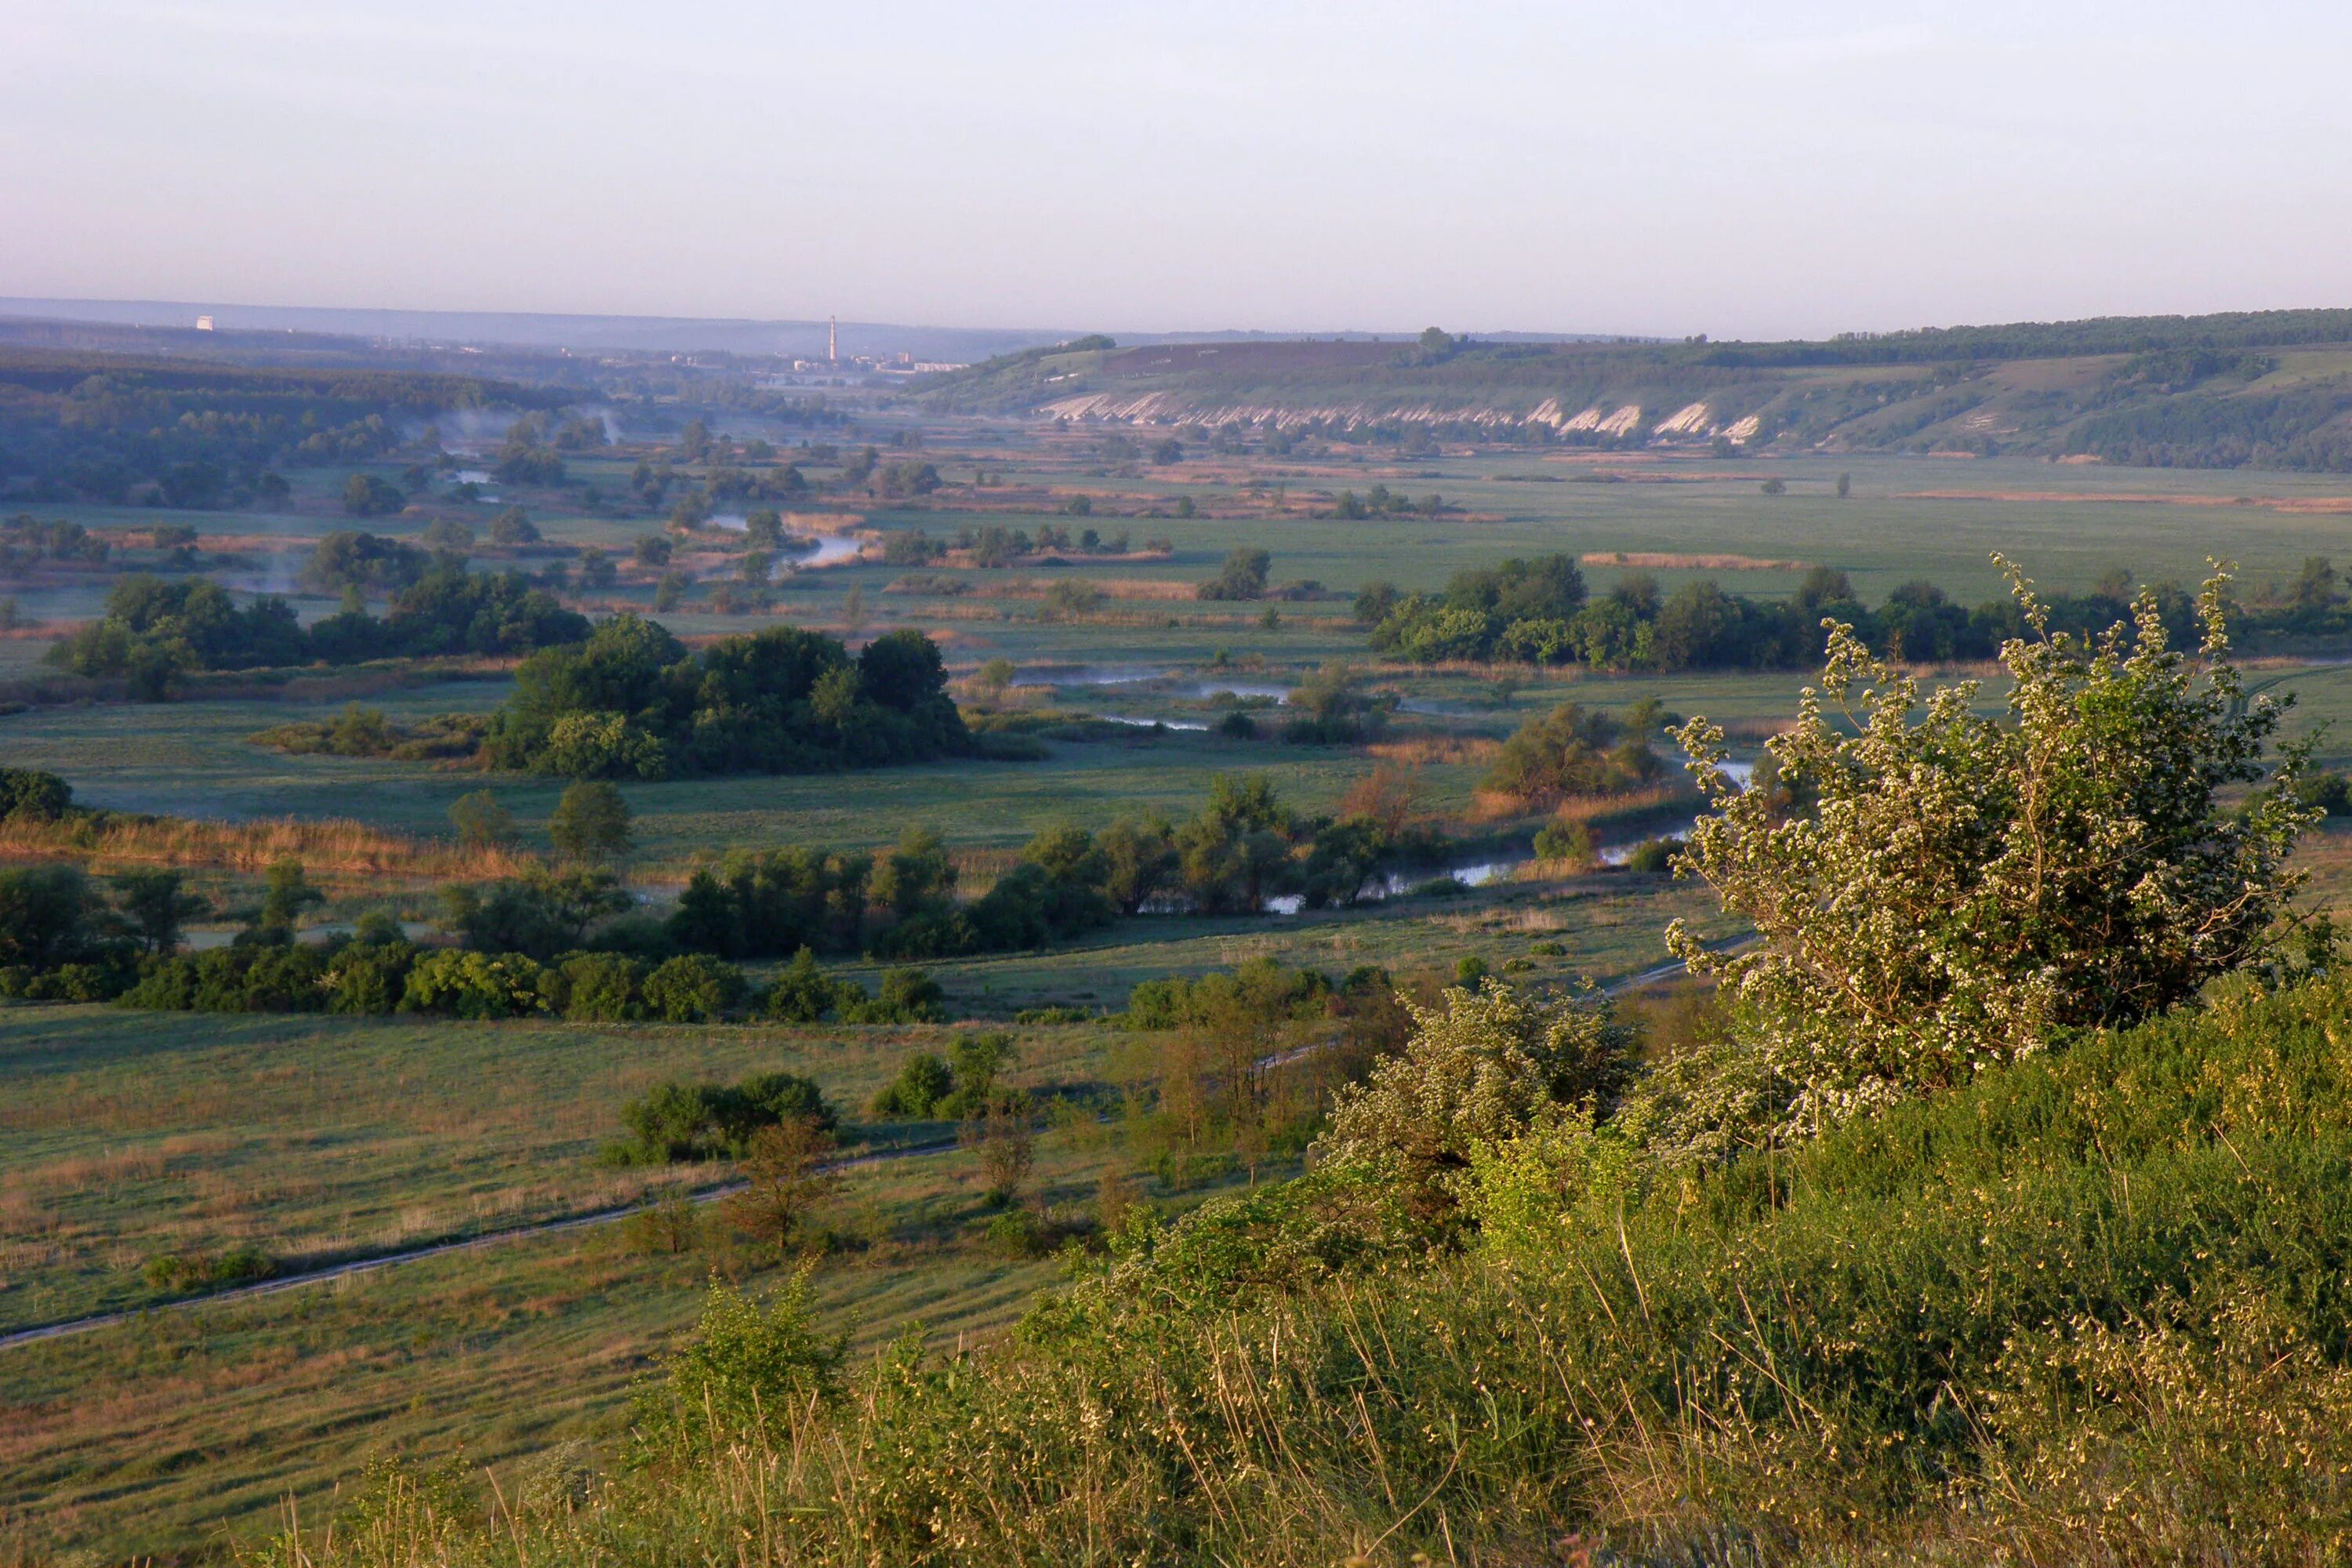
1845 486
450 535
1139 861
156 905
591 822
671 1225
512 528
1000 1135
368 495
784 1178
49 917
1242 576
285 894
1962 888
481 820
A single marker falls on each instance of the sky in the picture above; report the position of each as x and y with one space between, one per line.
1742 170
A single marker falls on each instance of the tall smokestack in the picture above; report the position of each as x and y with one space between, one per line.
833 339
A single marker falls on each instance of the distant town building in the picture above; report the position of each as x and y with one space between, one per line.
203 324
833 340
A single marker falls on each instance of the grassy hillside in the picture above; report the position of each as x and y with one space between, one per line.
2092 1308
2268 389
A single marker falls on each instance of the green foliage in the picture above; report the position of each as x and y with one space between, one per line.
906 996
1242 576
476 985
29 795
1963 889
365 562
693 988
286 896
591 822
603 987
154 632
540 915
1568 841
370 495
632 702
1569 753
481 820
155 905
749 1368
188 1273
1261 986
676 1119
921 1084
50 916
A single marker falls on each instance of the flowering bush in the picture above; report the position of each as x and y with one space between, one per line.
1956 887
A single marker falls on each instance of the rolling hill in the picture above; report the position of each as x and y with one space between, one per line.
2269 389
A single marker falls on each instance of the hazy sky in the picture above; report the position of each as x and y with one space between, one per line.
1740 169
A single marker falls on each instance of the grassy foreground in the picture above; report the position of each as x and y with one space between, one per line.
2093 1308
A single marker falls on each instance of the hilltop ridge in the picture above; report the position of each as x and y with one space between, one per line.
2247 389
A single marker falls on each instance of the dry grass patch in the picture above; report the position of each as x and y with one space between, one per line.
331 846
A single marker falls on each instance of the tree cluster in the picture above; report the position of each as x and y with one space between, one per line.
632 702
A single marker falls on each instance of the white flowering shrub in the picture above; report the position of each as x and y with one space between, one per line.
1954 886
1482 1070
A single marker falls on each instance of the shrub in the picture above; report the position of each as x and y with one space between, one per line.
693 988
921 1085
592 821
1652 857
748 1369
368 978
1568 841
183 1273
603 987
675 1120
804 994
29 795
909 996
1962 888
476 985
1242 576
540 915
1489 1067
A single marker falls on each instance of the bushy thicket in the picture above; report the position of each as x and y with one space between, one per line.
1572 752
681 1119
631 702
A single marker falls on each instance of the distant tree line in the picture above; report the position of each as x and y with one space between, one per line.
81 425
1539 612
155 632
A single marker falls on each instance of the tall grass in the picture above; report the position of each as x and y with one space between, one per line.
2096 1308
330 845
